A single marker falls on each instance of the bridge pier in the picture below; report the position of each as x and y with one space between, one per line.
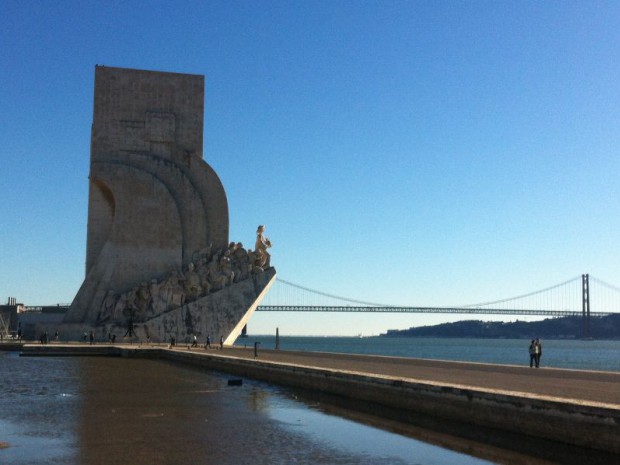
585 306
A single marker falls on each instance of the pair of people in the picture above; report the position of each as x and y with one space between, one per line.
535 352
208 344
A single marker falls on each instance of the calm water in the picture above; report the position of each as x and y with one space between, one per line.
68 411
57 410
576 354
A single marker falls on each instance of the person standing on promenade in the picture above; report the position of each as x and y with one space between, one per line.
532 353
538 351
208 344
221 342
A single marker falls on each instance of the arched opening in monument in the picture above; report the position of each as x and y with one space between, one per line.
107 194
101 225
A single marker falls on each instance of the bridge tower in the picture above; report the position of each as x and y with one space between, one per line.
585 306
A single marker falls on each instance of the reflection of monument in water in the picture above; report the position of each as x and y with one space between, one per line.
158 257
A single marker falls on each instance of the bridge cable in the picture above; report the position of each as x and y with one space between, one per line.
603 283
325 294
529 294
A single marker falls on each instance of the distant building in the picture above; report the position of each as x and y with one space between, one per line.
14 315
9 319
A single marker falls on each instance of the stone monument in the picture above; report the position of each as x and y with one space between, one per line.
159 264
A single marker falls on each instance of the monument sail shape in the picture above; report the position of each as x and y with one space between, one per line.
158 256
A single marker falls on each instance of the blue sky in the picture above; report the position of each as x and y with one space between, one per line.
409 153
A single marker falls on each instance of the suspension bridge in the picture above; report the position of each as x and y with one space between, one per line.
573 297
569 298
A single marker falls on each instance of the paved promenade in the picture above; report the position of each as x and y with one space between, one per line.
577 385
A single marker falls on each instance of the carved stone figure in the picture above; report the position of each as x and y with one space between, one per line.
255 258
203 274
142 301
241 262
204 253
262 244
159 300
126 305
107 307
174 291
216 278
193 289
226 268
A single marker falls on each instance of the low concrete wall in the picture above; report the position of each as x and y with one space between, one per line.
581 424
10 346
68 350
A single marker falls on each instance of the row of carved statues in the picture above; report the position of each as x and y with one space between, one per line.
208 272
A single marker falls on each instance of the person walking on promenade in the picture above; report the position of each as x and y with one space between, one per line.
208 344
221 342
92 337
538 351
532 353
195 342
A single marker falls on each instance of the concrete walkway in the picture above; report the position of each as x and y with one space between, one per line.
576 385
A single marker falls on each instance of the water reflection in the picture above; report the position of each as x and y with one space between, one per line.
127 411
142 411
371 444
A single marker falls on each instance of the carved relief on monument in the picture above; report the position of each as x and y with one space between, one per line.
212 272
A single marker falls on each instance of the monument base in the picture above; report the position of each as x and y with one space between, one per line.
222 314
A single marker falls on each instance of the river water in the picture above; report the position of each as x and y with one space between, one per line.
563 353
96 410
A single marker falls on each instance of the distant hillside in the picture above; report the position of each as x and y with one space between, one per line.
607 327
